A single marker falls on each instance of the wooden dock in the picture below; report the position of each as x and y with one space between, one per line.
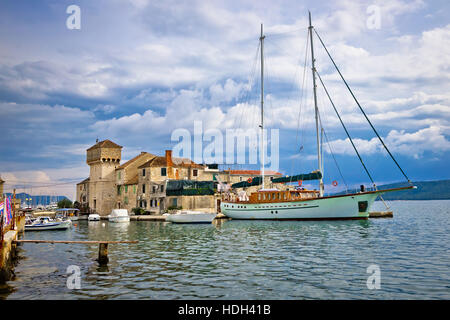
381 214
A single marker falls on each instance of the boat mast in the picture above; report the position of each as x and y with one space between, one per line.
313 68
261 40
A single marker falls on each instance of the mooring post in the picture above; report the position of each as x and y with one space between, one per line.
103 253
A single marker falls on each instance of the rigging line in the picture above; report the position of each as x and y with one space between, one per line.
326 117
373 128
279 34
302 92
332 153
251 81
18 186
348 135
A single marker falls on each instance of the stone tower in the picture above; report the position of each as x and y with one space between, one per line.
103 158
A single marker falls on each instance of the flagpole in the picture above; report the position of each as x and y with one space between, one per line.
13 207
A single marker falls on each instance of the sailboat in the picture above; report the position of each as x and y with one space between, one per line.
273 204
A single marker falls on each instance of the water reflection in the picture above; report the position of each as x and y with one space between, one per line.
231 259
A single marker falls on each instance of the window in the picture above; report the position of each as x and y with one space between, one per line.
163 172
126 189
118 190
154 188
134 189
195 172
162 188
174 202
143 188
125 200
118 175
143 172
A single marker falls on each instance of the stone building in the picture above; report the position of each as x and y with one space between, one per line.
127 181
142 182
153 175
98 190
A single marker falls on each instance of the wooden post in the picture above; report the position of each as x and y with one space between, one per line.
103 253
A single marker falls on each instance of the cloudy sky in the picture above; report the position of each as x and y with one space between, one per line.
137 70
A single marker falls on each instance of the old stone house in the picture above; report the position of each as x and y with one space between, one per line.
142 181
127 181
152 181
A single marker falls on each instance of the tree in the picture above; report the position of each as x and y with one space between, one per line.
65 203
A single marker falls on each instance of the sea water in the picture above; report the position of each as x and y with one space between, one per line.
246 259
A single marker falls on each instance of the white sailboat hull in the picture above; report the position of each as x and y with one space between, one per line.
340 207
191 217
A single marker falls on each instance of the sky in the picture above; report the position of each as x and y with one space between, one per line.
136 71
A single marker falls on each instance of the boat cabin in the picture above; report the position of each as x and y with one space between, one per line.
265 196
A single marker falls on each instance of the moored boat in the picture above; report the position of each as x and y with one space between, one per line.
94 217
46 223
71 213
119 215
188 216
274 204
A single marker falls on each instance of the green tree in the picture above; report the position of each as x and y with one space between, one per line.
65 203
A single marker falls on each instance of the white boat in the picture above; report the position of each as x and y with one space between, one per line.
188 216
71 213
94 217
46 223
119 215
274 204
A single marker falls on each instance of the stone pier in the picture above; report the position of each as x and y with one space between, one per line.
8 250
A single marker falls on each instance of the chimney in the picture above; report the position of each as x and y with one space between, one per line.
169 161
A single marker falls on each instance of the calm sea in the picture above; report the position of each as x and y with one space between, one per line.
247 259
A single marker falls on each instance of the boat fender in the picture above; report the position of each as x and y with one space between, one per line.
300 183
249 180
335 183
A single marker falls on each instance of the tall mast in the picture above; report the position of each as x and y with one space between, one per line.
313 67
261 39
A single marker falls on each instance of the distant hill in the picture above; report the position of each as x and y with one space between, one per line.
37 200
426 190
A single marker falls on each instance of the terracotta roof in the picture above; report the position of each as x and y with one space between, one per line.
84 181
104 144
126 164
178 162
133 180
253 172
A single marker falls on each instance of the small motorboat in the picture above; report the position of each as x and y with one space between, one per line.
188 216
46 223
71 213
94 217
119 215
